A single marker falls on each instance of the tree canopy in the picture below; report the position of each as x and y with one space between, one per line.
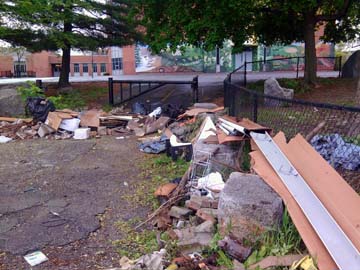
65 24
208 23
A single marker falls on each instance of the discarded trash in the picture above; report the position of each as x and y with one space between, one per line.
4 139
337 152
155 112
138 108
212 182
35 258
154 147
39 107
70 124
82 133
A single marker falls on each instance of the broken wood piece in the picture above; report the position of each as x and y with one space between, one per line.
196 111
12 119
165 190
315 131
272 261
90 118
234 249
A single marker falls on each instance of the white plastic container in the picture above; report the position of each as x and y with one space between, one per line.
70 124
82 133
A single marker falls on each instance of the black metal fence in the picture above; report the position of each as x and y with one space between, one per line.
333 130
121 91
294 65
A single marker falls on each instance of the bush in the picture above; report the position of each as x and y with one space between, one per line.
30 90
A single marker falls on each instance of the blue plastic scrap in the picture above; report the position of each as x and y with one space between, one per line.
154 147
337 152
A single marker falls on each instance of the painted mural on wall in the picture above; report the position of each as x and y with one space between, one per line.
191 59
294 50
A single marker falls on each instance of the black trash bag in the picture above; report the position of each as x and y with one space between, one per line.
172 110
138 108
39 107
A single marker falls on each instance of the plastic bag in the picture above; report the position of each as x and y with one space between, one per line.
138 108
39 108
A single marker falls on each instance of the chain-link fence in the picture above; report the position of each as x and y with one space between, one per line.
333 130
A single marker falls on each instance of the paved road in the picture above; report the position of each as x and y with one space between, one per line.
203 77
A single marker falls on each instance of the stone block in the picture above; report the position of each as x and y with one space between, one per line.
248 206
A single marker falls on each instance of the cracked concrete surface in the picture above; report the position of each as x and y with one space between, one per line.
51 192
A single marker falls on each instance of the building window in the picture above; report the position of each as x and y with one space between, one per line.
103 67
116 63
19 68
94 66
85 68
76 68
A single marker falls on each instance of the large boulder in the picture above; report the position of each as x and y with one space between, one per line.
248 206
273 88
10 101
351 68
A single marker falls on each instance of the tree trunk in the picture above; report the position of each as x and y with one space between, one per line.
310 50
65 68
357 97
65 61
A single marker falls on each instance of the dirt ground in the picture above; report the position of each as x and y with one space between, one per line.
63 198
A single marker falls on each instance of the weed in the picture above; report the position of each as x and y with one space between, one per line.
30 90
155 171
134 244
277 242
72 100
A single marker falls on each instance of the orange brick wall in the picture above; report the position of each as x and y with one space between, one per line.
129 60
6 63
39 62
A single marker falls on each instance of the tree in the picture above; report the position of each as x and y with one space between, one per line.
209 23
66 24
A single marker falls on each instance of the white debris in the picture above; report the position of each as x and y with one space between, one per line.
212 182
35 258
4 139
82 133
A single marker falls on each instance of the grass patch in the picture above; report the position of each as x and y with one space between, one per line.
278 242
296 84
155 172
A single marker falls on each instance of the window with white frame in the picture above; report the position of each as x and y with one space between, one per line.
76 68
102 67
116 63
94 67
85 68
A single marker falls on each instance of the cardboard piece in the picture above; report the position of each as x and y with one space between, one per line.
54 119
90 118
312 241
196 111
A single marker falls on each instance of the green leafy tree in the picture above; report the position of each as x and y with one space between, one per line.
66 24
208 23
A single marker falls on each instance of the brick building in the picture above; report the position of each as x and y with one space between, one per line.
110 61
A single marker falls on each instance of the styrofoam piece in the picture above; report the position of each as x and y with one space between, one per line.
174 142
35 258
70 124
82 133
208 129
155 112
212 181
4 139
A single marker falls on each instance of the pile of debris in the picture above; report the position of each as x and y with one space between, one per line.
215 198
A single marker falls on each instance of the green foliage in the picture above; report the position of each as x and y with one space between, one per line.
134 244
30 90
72 100
53 24
278 242
155 171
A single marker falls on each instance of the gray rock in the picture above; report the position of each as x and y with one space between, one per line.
10 102
272 88
351 68
248 206
179 212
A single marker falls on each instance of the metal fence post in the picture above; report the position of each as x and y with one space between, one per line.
245 74
255 106
340 60
297 67
111 91
195 88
